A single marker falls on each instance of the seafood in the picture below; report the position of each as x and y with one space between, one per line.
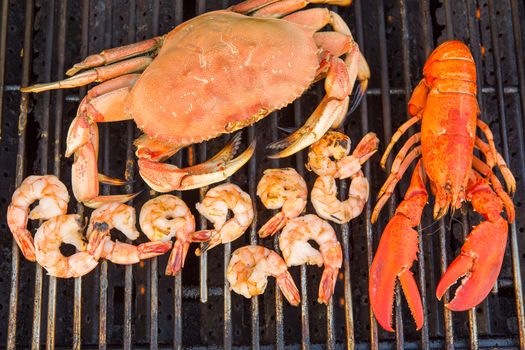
121 217
214 74
324 193
296 250
337 146
445 104
65 229
215 206
281 189
53 199
250 267
329 207
165 217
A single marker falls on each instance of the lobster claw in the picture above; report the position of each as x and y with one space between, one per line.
394 257
479 262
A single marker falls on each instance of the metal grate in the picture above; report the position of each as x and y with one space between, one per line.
138 306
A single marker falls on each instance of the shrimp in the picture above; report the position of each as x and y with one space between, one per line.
324 193
215 206
337 145
332 145
165 217
64 229
121 217
293 242
250 267
285 189
53 199
326 204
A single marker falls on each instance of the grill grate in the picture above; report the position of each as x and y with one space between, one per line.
137 305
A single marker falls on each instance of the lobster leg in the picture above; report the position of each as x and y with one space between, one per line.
482 254
396 253
497 159
415 108
392 180
486 171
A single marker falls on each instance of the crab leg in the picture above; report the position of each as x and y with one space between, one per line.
117 54
482 254
279 8
97 75
104 103
396 253
166 177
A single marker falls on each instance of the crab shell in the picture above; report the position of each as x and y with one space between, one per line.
220 72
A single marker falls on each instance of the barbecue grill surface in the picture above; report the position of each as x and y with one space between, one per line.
138 306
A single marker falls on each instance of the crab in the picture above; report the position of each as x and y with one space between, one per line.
214 74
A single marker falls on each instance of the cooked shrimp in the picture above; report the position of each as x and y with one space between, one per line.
337 145
121 217
326 204
50 236
215 206
53 199
250 267
332 145
281 189
293 242
165 217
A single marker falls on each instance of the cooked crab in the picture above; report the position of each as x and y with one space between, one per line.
212 75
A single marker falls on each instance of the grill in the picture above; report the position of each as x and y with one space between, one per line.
137 306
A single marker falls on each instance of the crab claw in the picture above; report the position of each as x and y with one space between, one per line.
395 255
481 255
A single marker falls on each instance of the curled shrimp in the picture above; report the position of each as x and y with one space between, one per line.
324 193
121 217
215 206
50 236
337 145
53 199
165 217
281 189
250 267
296 250
326 204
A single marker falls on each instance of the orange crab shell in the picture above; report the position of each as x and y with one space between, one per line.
221 72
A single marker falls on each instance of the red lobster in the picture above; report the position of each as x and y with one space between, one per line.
445 104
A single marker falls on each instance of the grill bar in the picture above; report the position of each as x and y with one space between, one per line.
514 246
405 36
3 44
252 188
506 154
374 342
44 151
279 331
20 170
387 128
129 175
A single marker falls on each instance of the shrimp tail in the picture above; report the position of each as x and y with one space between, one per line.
177 257
152 249
97 239
327 285
288 288
213 240
273 225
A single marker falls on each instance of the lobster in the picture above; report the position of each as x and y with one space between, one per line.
445 104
